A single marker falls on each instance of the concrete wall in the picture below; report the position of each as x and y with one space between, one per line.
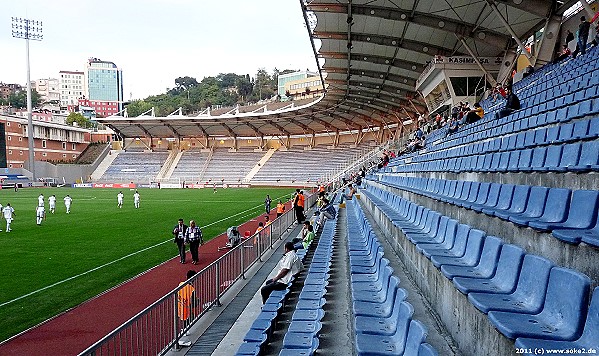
70 172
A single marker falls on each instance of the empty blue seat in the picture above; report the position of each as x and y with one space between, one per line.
416 336
382 309
503 202
449 235
427 350
300 340
554 155
486 265
491 200
529 294
467 256
588 340
518 205
538 159
556 207
582 213
589 158
385 325
570 156
562 316
505 277
249 348
369 344
534 207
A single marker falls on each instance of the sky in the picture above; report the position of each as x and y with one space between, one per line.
156 41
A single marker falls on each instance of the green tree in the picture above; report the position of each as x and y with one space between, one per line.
137 107
81 120
19 99
185 83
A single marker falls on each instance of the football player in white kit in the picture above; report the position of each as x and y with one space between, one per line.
52 202
67 203
136 199
8 213
40 213
119 199
40 200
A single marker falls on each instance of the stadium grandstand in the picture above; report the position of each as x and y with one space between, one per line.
477 237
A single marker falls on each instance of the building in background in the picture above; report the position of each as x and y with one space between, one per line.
304 88
7 89
48 89
285 78
71 86
54 141
103 87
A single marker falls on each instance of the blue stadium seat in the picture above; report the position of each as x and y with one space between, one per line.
380 309
554 155
434 236
468 257
249 349
534 207
587 341
446 243
530 292
538 158
563 313
559 201
589 158
385 325
505 277
416 336
570 157
582 213
486 265
480 197
503 202
368 344
518 205
427 350
491 200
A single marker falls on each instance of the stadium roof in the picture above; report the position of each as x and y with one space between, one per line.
373 51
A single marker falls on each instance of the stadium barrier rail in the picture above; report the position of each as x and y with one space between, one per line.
159 327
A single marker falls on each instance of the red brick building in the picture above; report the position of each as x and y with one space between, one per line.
53 141
102 108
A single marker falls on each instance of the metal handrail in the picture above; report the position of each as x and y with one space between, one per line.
160 326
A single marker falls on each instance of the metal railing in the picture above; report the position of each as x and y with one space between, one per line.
159 327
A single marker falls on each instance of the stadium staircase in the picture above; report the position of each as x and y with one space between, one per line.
104 165
498 223
169 166
259 165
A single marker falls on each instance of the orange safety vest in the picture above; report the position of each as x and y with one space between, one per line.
300 200
321 188
280 208
184 301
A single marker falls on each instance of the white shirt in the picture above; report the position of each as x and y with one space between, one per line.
40 200
136 196
52 200
288 262
67 200
120 197
7 211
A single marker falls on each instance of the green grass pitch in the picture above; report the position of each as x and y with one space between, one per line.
96 232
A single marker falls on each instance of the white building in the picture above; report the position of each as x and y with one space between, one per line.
47 88
71 87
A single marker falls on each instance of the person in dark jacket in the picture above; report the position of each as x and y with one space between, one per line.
512 104
583 36
180 232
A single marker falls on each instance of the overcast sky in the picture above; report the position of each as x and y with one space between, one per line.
155 41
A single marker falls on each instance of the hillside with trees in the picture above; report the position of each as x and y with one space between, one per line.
225 89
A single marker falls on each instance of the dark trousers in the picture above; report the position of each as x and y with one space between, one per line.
581 45
194 247
504 112
269 287
472 117
299 214
181 246
267 208
279 214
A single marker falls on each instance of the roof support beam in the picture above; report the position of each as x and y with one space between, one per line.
146 132
172 129
509 28
280 128
478 63
229 130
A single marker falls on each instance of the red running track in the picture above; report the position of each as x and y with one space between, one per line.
72 332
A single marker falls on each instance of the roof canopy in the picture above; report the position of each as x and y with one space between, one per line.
373 52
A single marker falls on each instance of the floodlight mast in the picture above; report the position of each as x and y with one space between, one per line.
28 30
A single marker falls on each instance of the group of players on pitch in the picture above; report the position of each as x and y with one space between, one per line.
40 211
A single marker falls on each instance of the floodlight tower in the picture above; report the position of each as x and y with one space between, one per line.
28 30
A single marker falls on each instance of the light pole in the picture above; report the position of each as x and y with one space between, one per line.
28 30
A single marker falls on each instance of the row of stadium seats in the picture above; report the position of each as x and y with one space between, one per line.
301 337
525 296
383 319
135 165
571 216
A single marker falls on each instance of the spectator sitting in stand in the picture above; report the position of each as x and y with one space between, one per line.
512 104
565 53
475 114
453 127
